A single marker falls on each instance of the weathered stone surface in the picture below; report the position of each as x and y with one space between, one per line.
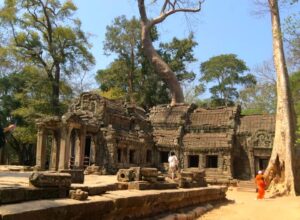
132 205
97 170
136 173
123 135
48 179
151 179
11 195
77 176
149 172
17 194
125 175
145 185
78 194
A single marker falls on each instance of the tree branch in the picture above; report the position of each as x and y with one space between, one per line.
173 10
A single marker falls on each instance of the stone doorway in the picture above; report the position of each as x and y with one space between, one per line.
87 151
261 163
164 155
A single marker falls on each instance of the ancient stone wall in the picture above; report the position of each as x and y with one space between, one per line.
106 135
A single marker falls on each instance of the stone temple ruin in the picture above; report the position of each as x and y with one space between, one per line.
103 136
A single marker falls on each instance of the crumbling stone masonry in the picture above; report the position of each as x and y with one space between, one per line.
105 135
95 131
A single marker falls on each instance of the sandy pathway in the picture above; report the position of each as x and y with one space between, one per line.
243 206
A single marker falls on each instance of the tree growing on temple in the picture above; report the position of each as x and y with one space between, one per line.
130 76
281 173
161 67
45 34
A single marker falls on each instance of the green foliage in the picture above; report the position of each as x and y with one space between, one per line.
226 71
258 99
178 54
45 34
295 88
292 37
130 76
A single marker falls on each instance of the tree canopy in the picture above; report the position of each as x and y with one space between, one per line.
130 75
226 71
45 34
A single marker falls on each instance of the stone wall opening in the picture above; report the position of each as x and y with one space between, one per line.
87 151
132 156
164 155
119 154
261 163
193 161
212 161
149 156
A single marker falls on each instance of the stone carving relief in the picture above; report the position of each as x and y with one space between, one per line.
262 139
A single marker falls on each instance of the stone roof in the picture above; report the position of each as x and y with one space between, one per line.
218 117
253 123
166 138
169 115
207 140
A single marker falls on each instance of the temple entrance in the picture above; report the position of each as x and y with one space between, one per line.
261 163
73 149
87 151
149 156
164 155
49 141
193 161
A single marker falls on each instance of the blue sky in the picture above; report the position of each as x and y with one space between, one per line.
221 27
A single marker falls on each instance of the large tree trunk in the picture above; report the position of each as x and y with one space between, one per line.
280 172
130 77
55 91
161 67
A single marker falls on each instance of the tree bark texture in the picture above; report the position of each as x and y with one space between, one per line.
160 66
280 170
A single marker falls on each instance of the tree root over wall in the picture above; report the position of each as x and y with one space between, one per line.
275 179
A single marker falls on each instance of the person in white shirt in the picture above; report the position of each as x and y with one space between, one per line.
173 163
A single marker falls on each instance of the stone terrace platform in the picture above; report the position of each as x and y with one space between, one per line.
125 204
113 204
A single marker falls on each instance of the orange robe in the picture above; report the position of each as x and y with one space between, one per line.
260 183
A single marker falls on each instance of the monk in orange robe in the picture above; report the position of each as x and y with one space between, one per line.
260 184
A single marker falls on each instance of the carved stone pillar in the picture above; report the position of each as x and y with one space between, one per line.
64 155
111 155
52 162
93 150
77 149
185 160
41 148
201 161
80 145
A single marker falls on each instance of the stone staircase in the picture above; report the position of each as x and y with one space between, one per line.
246 186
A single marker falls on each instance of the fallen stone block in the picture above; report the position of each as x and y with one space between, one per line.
136 175
78 194
125 175
77 176
47 179
149 172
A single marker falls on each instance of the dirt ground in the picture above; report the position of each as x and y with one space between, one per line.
243 206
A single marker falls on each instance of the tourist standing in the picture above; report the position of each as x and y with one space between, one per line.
260 184
173 164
